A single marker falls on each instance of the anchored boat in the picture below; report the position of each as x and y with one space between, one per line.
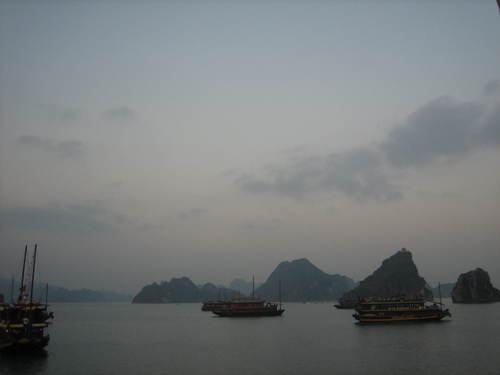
23 323
399 309
249 306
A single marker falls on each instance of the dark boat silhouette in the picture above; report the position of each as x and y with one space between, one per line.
399 309
249 306
23 322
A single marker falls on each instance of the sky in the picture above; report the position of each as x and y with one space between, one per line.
141 141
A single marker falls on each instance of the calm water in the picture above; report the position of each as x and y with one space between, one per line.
308 339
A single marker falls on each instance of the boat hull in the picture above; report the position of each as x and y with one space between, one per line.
24 343
246 314
399 319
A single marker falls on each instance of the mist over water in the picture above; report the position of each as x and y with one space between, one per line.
309 338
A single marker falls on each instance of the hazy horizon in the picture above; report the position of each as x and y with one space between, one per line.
199 283
145 141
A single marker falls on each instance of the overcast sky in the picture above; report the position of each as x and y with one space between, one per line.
147 140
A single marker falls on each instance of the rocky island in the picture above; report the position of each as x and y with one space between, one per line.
181 290
397 275
475 287
302 281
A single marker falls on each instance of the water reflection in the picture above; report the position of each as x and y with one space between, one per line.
24 362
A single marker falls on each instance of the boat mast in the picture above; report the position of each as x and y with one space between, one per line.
440 299
279 291
253 286
22 275
46 295
31 292
12 289
33 276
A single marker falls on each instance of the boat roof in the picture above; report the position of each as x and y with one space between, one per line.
249 301
378 302
23 306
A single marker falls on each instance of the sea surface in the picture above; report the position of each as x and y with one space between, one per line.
121 338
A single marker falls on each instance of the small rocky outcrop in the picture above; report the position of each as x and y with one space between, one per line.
397 275
475 287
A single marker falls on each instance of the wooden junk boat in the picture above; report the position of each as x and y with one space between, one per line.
23 323
214 304
248 306
399 309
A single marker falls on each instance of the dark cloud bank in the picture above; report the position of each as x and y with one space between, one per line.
443 129
492 87
62 149
123 113
193 213
84 218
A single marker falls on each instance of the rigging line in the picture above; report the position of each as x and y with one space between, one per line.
28 272
40 286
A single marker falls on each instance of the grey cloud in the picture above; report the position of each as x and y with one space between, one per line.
62 149
357 173
492 87
295 179
490 132
66 115
360 174
69 149
261 224
33 140
123 113
70 218
443 127
193 213
60 115
447 195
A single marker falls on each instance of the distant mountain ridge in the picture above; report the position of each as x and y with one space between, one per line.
181 289
243 286
398 275
302 281
60 294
